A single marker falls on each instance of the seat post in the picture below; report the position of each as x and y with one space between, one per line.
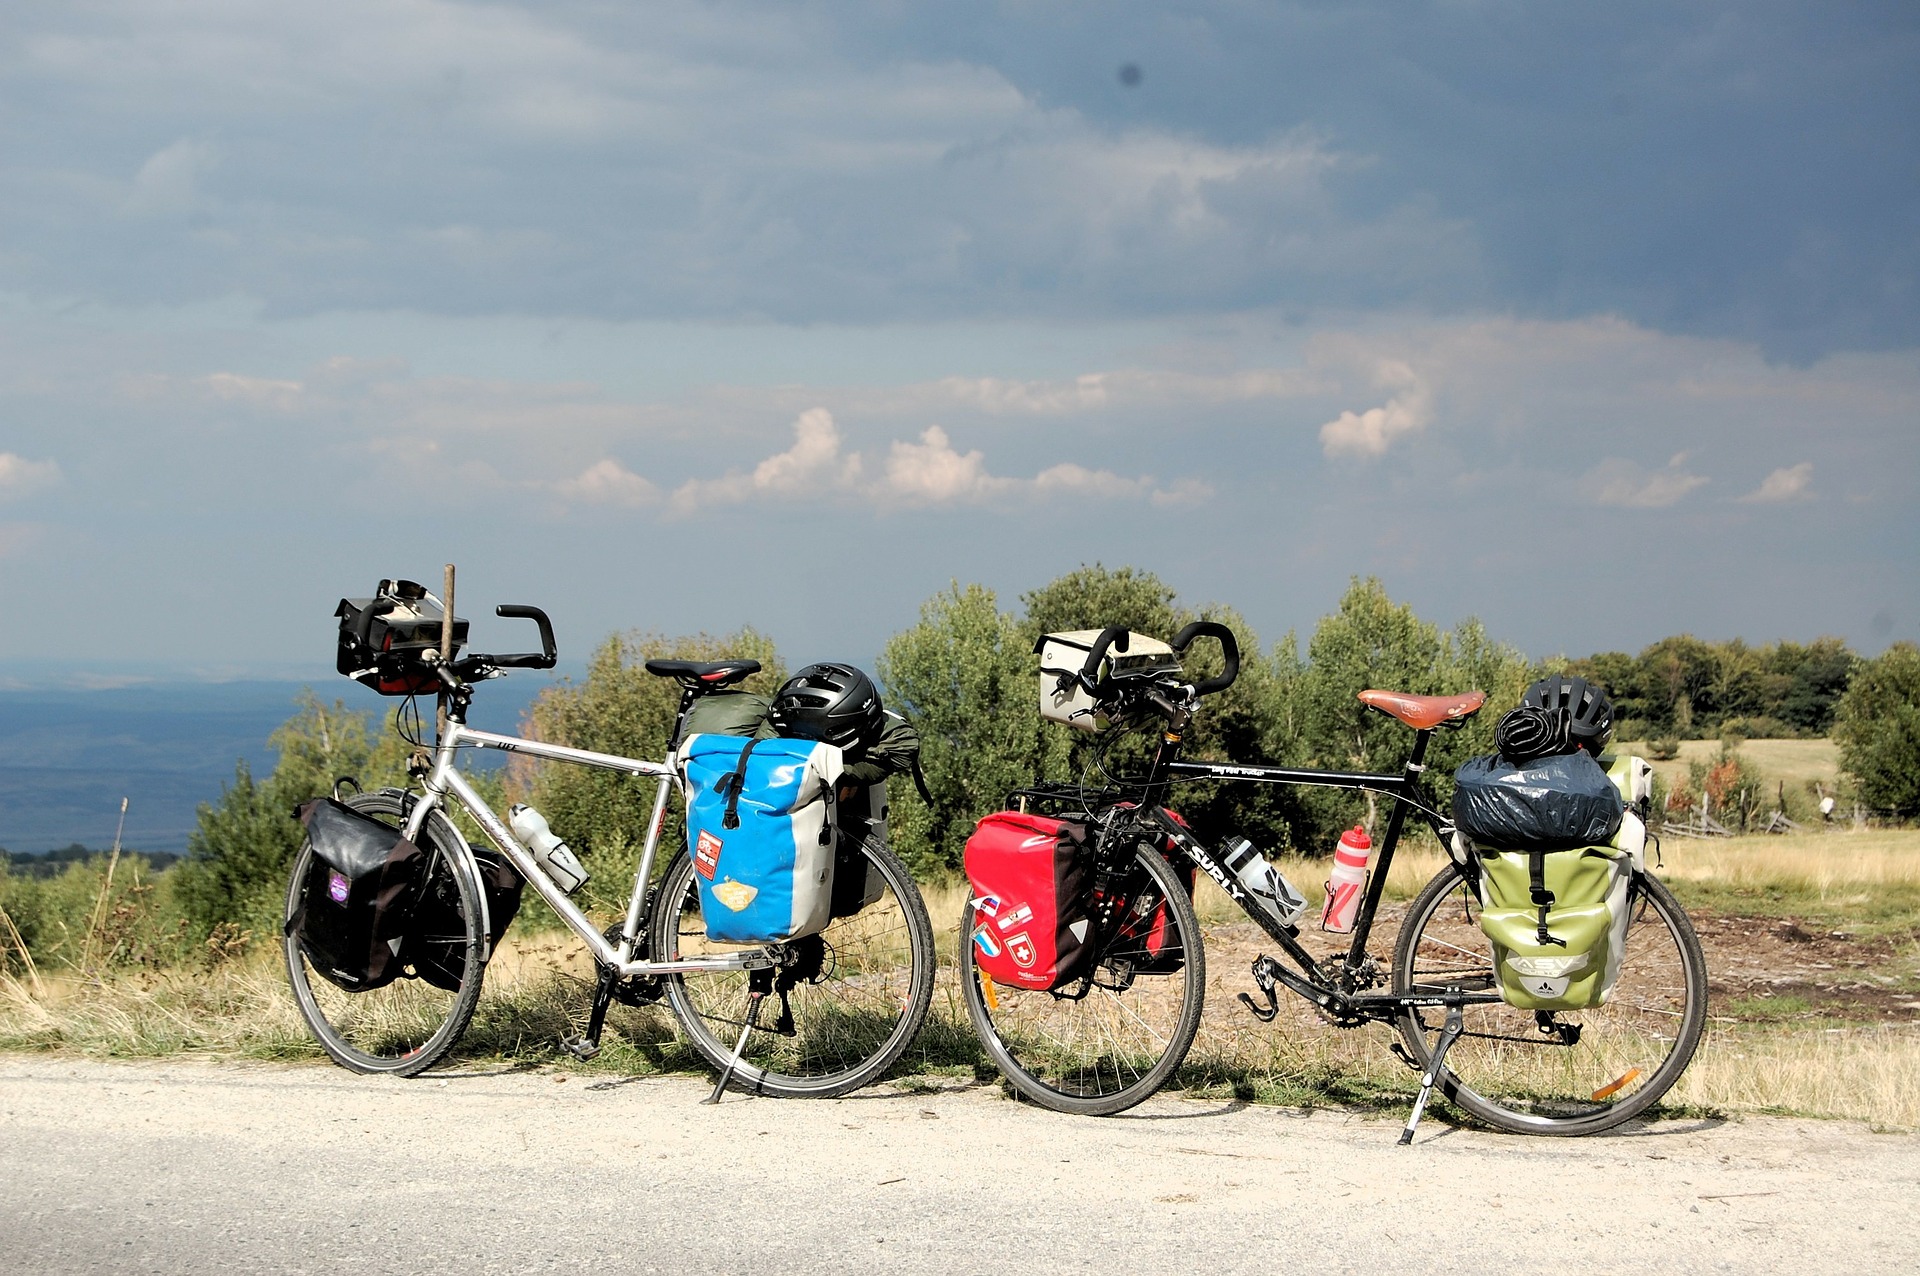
1389 842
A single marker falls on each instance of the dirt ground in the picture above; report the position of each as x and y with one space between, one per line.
1836 973
189 1166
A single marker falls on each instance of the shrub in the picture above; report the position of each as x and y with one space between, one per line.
1877 728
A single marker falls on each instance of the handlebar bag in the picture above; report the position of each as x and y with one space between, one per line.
1032 899
761 829
1063 654
363 882
436 945
395 639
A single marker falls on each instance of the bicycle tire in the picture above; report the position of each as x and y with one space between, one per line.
850 1025
1504 1070
1119 1043
409 1025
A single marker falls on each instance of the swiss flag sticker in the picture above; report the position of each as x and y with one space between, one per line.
1020 948
706 855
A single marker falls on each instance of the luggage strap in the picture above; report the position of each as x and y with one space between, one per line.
920 780
1542 897
736 780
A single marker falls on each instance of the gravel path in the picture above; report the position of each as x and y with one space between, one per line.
201 1167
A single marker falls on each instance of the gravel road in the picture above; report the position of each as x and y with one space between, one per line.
202 1167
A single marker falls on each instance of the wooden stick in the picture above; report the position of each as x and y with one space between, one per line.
106 890
446 647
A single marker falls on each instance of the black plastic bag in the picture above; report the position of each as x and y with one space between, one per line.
363 882
1549 804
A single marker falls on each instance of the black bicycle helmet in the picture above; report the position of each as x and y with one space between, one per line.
1588 711
831 702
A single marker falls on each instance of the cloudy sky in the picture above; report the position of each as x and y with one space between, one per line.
1599 323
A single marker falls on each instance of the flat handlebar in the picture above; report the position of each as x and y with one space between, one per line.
545 658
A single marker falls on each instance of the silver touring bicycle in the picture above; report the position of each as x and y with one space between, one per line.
811 1017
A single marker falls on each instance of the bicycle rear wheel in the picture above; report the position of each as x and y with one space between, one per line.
407 1026
1105 1042
870 985
1505 1069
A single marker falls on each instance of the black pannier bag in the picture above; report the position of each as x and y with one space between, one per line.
363 882
1558 803
407 622
436 941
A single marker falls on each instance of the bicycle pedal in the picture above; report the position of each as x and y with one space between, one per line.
580 1048
1266 1013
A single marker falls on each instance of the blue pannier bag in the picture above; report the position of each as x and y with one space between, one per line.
761 829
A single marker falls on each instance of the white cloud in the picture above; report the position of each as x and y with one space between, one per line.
1788 483
168 182
19 476
607 482
814 466
282 396
931 472
1625 484
1370 433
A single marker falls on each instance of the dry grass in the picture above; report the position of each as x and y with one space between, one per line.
1819 865
1867 1074
537 992
1792 761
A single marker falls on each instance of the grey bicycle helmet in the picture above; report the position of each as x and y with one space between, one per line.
1589 713
832 702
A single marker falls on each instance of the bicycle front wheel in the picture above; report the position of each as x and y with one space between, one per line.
867 986
1574 1071
407 1026
1102 1043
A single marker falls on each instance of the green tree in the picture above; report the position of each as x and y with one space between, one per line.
966 678
1877 727
243 846
1371 642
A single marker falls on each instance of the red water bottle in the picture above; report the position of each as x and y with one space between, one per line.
1348 879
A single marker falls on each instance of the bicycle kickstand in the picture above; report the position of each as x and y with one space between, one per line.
587 1044
756 998
1448 1035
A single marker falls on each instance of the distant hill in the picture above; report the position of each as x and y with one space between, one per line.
67 757
53 863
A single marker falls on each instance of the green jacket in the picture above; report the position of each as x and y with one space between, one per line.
892 754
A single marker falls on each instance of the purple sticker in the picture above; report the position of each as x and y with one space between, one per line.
337 886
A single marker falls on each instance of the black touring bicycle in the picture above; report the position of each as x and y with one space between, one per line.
1116 1033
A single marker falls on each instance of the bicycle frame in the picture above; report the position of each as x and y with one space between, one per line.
445 779
1333 991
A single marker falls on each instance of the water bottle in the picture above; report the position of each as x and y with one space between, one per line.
554 855
1271 892
1348 880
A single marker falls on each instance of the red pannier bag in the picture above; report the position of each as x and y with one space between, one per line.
1031 892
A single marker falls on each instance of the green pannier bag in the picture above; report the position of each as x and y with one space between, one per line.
1565 956
1561 950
